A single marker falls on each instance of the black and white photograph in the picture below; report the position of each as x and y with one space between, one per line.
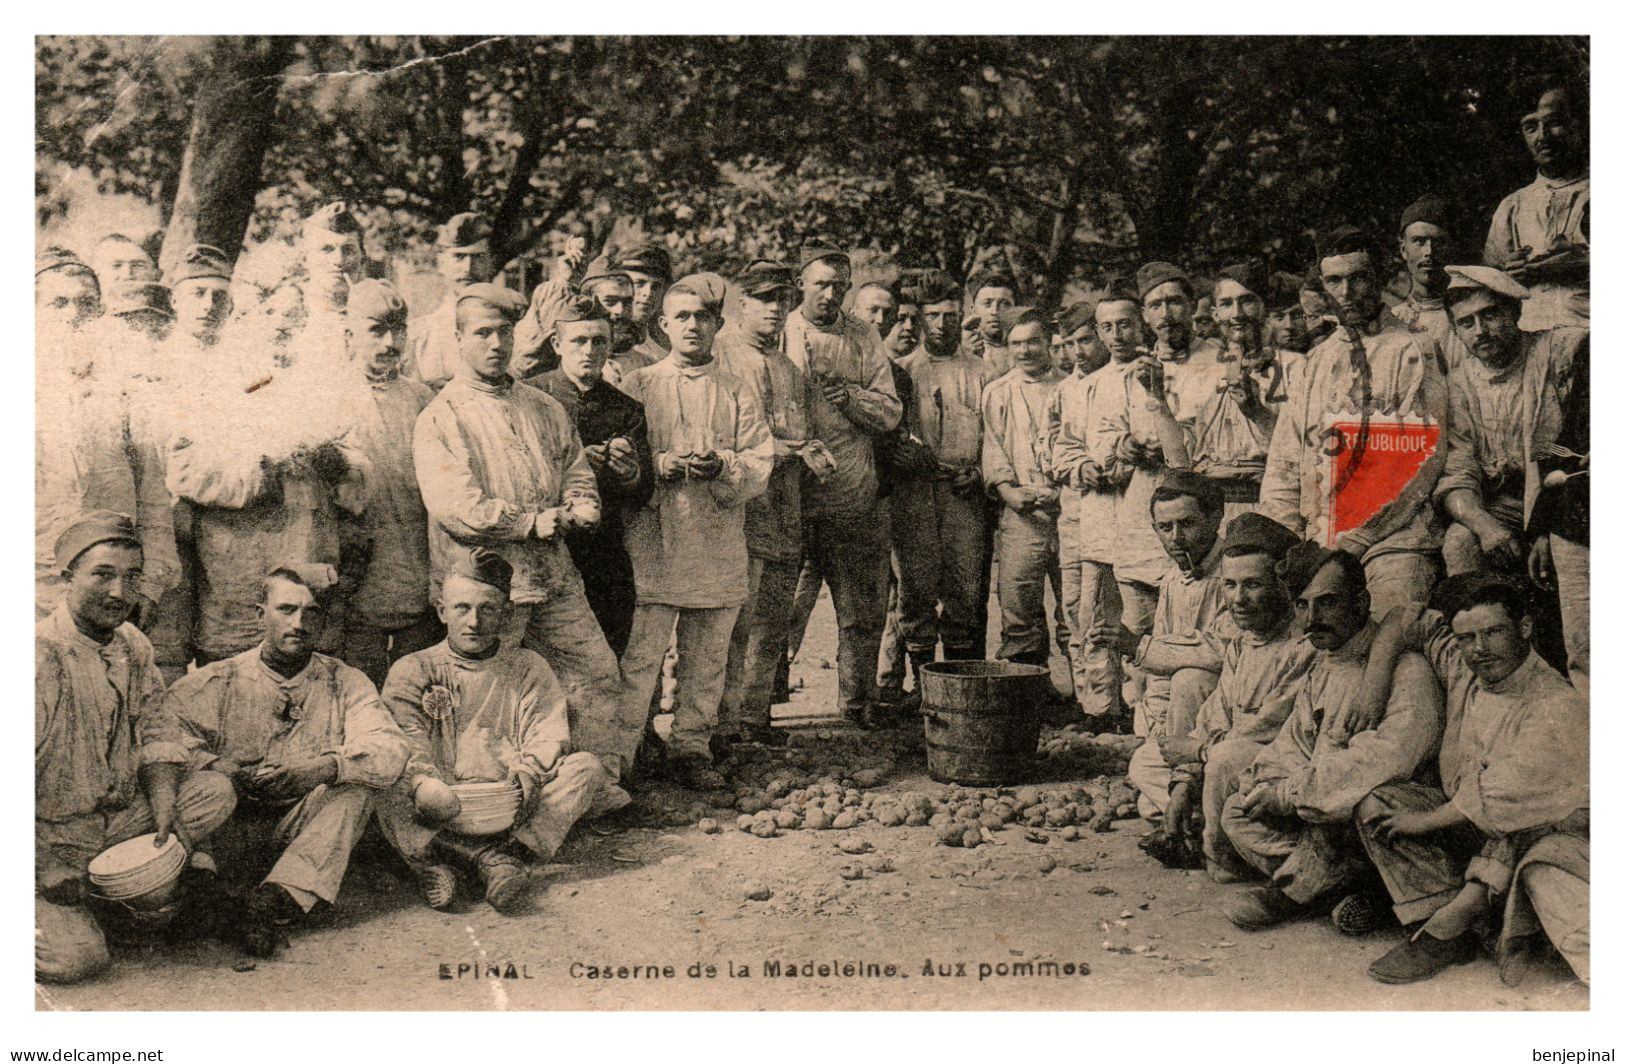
812 523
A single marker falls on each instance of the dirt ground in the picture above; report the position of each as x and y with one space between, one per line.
673 900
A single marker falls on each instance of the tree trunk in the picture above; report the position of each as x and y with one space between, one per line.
231 129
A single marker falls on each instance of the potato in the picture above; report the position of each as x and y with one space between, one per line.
816 819
1126 811
917 820
950 835
763 830
724 800
1046 864
891 816
990 821
778 788
1057 818
743 822
787 818
939 820
973 837
752 803
845 820
1101 823
709 826
868 777
1071 834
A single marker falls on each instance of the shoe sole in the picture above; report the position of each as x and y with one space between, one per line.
1388 980
505 897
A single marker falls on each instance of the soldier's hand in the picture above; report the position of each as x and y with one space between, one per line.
530 794
837 393
1541 571
1148 371
1181 806
566 265
597 454
623 466
706 467
669 466
1499 544
297 778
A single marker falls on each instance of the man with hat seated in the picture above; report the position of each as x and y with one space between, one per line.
1016 470
1263 668
852 402
501 466
1291 816
615 439
1151 428
713 454
1517 414
748 350
462 257
109 759
1358 445
306 744
1506 835
476 711
390 612
1234 424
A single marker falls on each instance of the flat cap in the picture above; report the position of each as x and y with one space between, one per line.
499 296
55 257
764 277
1253 533
89 529
1466 590
818 250
200 261
647 257
135 297
1467 280
376 300
1010 317
1250 275
1345 240
466 230
484 566
335 217
1430 209
604 268
1074 317
708 286
1155 274
1283 292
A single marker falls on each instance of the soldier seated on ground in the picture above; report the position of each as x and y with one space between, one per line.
476 711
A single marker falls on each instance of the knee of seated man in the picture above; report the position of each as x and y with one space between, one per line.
69 946
207 799
1377 802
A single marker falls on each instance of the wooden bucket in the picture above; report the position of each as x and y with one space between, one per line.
981 720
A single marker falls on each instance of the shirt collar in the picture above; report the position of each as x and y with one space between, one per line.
474 382
63 628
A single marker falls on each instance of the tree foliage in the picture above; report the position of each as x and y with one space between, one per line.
1075 156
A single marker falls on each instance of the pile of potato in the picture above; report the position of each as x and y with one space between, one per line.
830 787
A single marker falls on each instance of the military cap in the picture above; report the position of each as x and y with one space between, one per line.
818 251
1345 240
990 277
764 277
55 257
1155 274
1119 289
376 300
1469 281
499 296
580 308
649 258
89 529
135 297
1299 565
1466 590
708 286
604 268
335 217
1283 292
1074 317
485 566
467 230
1250 275
935 286
1253 533
1430 209
200 261
1011 317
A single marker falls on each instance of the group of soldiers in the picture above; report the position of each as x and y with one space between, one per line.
316 563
